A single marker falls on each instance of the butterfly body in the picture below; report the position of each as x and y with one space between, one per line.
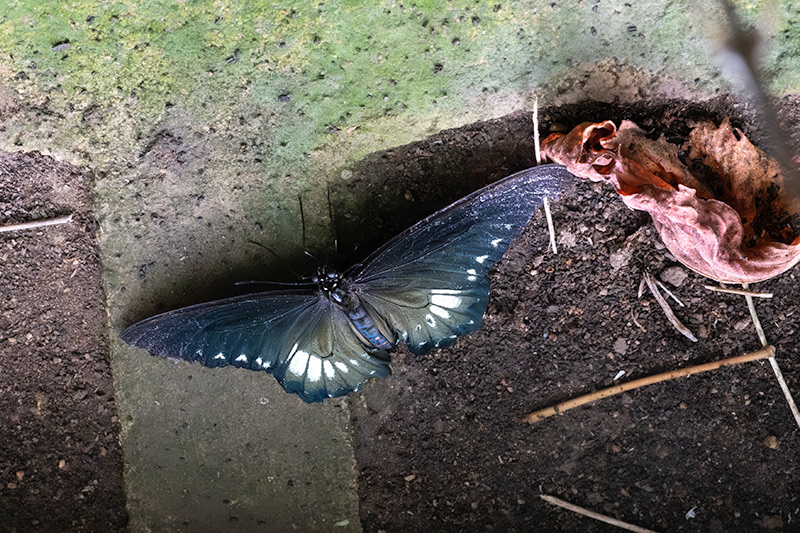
424 288
339 291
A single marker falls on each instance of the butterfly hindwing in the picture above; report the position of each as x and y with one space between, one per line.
300 338
429 283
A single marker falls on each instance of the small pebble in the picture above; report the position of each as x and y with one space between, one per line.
674 275
621 345
772 442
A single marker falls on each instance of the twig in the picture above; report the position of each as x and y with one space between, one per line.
536 149
772 361
591 514
36 224
550 226
667 309
669 292
738 291
638 325
763 353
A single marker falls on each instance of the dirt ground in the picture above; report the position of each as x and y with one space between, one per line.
441 445
60 457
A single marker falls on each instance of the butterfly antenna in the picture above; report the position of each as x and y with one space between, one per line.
333 223
303 225
279 258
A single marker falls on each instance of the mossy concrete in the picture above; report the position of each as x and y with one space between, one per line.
205 121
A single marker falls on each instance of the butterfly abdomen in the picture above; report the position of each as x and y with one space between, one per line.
367 328
343 295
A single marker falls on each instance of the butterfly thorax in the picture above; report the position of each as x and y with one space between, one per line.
337 290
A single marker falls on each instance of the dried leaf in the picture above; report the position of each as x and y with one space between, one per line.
738 235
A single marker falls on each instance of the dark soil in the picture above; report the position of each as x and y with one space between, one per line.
441 445
60 457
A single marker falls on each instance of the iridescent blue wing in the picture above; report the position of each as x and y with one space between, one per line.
429 283
301 338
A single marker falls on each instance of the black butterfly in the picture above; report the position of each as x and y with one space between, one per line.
424 288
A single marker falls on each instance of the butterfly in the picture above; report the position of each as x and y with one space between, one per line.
424 288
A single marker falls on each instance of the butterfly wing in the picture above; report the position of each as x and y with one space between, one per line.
301 338
429 283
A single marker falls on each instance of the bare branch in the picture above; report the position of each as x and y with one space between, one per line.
763 353
667 309
36 224
740 292
591 514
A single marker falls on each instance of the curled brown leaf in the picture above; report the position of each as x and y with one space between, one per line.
735 230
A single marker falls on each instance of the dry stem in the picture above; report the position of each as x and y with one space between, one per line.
550 226
763 353
537 151
36 224
772 361
740 292
591 514
535 118
667 309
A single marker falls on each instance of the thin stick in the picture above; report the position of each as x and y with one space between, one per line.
591 514
641 327
36 224
763 353
669 293
536 149
740 292
550 226
772 361
667 309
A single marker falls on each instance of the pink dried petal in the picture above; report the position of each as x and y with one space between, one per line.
705 234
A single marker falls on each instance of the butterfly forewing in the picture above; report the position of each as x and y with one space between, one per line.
429 283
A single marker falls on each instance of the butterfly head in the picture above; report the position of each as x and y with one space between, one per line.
328 280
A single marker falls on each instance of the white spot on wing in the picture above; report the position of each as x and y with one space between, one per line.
481 258
314 371
507 226
220 355
241 358
430 320
473 275
259 361
299 362
342 367
446 300
327 367
438 311
496 242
